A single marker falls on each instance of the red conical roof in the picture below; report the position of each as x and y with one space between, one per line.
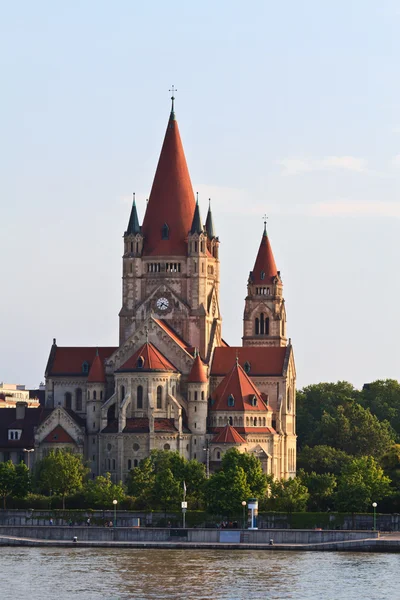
228 435
198 372
264 269
239 386
147 358
96 373
171 199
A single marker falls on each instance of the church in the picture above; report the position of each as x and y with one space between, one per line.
172 382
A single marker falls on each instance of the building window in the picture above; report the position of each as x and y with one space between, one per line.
159 396
94 408
136 447
230 421
85 367
195 455
113 464
195 426
257 326
78 398
101 395
262 275
165 232
254 401
195 409
218 455
231 400
68 400
88 395
139 397
167 447
93 441
140 362
135 462
94 395
195 395
247 367
129 464
202 395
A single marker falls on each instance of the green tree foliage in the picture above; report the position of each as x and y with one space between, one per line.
321 488
22 485
361 483
61 472
330 415
383 399
287 495
251 465
322 459
100 492
7 480
225 491
158 481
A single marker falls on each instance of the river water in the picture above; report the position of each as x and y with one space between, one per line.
113 574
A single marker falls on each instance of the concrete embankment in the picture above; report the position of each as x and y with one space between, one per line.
125 537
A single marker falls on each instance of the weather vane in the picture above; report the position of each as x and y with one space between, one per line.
173 90
265 219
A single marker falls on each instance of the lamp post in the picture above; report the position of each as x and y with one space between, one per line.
374 505
115 502
244 513
28 451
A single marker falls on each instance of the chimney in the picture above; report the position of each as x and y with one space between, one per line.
20 408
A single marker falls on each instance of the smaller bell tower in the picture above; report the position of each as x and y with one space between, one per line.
264 320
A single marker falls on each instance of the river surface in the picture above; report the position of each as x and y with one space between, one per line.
114 574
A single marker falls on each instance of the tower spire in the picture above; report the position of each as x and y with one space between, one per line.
264 269
173 90
210 222
133 225
197 227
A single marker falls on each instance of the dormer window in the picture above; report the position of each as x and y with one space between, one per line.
85 367
165 232
14 434
253 401
262 276
140 362
231 400
247 367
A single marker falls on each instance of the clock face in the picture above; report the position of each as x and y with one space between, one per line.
162 303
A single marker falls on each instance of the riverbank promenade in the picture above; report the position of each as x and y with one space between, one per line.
207 539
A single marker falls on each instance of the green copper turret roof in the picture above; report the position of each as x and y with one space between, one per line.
210 223
133 225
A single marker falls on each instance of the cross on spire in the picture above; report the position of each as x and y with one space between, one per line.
265 219
173 90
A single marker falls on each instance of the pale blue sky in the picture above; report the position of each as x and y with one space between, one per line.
290 108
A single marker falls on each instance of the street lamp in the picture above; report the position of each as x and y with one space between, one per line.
115 502
29 453
244 513
374 505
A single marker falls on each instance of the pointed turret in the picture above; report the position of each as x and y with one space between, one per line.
197 373
96 373
264 270
171 204
197 227
210 223
133 225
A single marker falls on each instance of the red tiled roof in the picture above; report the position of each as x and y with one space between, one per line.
141 425
96 373
59 436
68 360
228 435
237 384
171 199
265 263
152 359
198 372
173 335
262 360
33 417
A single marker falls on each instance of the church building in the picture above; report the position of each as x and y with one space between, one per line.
172 382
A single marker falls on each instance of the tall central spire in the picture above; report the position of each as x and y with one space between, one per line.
171 205
264 269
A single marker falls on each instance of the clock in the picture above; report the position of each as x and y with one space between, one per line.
162 303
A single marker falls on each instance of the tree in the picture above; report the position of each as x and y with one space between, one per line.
361 483
22 485
61 472
382 397
140 483
167 491
287 495
7 480
390 462
322 459
101 492
225 491
321 488
251 465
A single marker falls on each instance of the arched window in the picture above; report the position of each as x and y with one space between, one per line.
139 397
159 396
220 422
94 395
135 462
88 395
253 401
129 464
247 421
247 367
122 392
266 326
165 232
78 400
111 414
257 326
262 275
264 422
167 447
68 400
231 400
230 421
240 422
140 362
218 455
262 323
